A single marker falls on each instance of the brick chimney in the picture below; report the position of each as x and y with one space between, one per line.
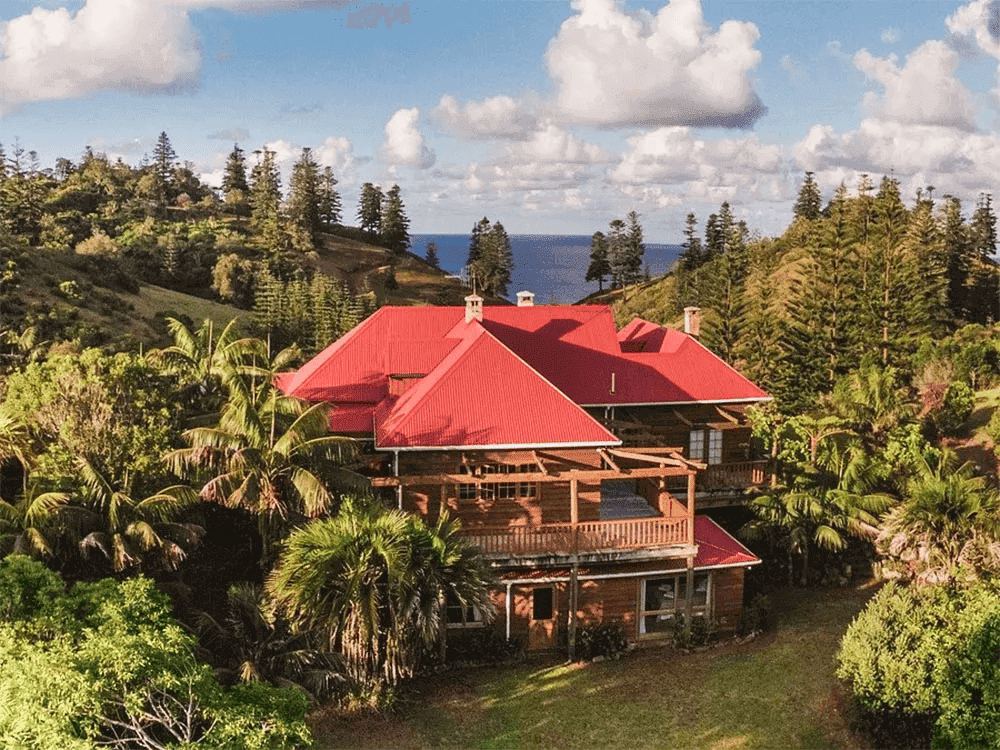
473 308
525 299
692 321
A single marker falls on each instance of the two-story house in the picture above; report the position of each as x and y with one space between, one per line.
574 455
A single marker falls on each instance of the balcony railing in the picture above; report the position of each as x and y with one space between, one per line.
590 536
740 475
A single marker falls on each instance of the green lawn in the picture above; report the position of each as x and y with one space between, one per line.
776 692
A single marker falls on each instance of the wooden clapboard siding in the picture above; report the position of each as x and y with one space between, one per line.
728 597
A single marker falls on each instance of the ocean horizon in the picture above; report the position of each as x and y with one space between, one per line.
553 266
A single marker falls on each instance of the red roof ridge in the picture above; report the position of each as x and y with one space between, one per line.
474 333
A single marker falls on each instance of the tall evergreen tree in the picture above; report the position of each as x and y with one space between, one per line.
329 200
984 227
164 158
235 188
617 252
599 263
265 201
809 201
495 263
958 250
395 227
692 255
370 208
431 255
635 250
304 198
479 229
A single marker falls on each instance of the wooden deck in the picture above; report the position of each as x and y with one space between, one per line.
740 475
590 536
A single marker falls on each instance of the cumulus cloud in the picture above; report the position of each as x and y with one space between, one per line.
404 143
137 46
552 144
947 156
612 68
338 152
673 156
924 91
229 134
496 117
978 23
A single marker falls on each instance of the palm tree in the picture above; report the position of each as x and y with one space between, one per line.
871 403
134 529
375 582
26 525
204 361
258 646
949 517
270 454
829 501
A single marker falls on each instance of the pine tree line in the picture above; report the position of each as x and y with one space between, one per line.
619 254
863 280
490 259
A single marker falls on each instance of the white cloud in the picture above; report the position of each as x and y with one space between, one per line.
338 152
551 144
952 159
923 92
671 156
615 69
404 143
137 46
496 117
890 35
978 22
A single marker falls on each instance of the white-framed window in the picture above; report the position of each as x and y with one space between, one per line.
705 444
665 597
715 446
492 490
696 445
459 616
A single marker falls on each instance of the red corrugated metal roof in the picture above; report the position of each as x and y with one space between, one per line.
716 548
352 418
575 348
482 394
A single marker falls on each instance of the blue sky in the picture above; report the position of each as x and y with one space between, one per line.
553 117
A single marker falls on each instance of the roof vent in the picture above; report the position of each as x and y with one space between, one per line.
525 299
692 321
473 308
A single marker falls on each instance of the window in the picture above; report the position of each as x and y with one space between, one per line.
492 490
698 450
664 598
696 445
715 446
541 603
462 617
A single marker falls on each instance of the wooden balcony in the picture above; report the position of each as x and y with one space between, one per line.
582 538
734 476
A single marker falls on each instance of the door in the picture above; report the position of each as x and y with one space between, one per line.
542 618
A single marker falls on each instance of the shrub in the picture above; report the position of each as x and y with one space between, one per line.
99 244
918 661
482 646
699 634
756 617
108 665
27 588
959 400
605 639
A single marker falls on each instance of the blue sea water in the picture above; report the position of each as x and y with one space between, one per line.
553 266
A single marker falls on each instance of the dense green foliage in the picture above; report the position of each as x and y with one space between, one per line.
107 665
376 582
490 259
923 659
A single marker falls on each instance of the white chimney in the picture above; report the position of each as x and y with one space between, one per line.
692 321
473 308
525 299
